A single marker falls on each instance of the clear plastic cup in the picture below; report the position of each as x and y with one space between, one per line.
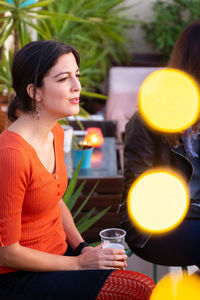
115 238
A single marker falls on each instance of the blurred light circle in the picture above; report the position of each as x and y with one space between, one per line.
169 100
158 201
176 286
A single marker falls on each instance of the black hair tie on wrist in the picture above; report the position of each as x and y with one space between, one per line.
79 248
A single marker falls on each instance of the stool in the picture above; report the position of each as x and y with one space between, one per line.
127 285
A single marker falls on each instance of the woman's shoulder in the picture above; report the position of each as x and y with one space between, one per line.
10 139
138 127
136 119
13 147
17 156
136 122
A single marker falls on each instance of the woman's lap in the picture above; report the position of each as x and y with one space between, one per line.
180 247
73 285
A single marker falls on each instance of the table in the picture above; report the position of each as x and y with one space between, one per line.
103 164
106 169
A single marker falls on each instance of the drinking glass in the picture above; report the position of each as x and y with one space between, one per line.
114 236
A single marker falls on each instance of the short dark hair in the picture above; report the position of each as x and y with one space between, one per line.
30 65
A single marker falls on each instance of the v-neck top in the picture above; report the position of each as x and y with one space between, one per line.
29 195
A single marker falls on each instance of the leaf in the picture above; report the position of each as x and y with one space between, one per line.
86 217
5 24
62 15
79 123
82 228
85 201
72 182
6 34
95 244
39 4
94 95
85 114
38 29
72 200
6 4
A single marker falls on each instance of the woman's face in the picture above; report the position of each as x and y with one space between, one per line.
61 89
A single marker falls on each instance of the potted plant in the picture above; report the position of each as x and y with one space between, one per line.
81 150
170 18
102 41
19 16
96 23
71 197
5 88
16 19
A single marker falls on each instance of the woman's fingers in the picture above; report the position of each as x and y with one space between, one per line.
113 264
103 258
116 257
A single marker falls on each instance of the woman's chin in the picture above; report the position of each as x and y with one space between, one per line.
75 111
72 112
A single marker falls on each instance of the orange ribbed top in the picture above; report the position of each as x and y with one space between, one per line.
29 195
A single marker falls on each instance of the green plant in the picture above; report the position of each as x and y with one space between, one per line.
70 198
18 18
170 19
101 41
96 28
5 73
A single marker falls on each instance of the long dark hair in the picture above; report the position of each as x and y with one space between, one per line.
30 65
186 57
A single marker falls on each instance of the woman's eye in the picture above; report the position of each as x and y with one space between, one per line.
78 75
63 79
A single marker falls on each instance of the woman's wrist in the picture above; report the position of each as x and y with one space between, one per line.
80 247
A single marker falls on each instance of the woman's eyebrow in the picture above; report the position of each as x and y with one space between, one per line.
61 73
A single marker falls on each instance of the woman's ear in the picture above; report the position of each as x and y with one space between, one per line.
32 92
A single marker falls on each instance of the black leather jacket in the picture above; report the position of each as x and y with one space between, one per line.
145 149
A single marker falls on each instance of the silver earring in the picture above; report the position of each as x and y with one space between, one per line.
37 113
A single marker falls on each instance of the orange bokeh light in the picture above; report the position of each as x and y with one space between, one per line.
94 137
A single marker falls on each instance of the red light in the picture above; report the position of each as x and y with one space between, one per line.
94 137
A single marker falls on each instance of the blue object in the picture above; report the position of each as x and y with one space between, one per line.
77 156
28 2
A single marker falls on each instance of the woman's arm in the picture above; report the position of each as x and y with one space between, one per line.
139 156
139 150
19 257
73 236
23 258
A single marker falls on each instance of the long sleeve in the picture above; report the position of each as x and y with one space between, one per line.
12 189
139 156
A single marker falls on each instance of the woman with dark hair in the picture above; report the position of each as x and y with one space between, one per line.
146 149
36 226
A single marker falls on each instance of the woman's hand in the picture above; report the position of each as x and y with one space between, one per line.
102 258
86 249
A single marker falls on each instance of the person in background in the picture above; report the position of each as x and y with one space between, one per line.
36 227
146 149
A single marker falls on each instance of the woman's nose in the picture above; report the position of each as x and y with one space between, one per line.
76 85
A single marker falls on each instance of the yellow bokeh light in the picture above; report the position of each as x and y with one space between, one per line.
176 286
169 100
158 201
